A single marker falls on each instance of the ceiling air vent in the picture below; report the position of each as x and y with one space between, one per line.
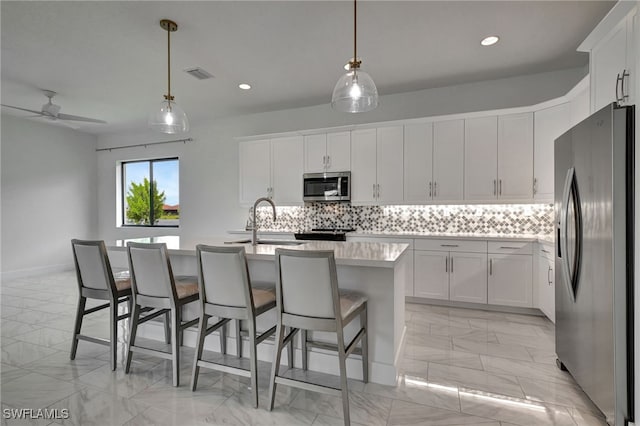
198 73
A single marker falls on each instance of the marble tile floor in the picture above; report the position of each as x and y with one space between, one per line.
460 367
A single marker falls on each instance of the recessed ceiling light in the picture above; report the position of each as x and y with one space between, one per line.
488 41
244 86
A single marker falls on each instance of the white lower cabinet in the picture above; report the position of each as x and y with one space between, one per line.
546 281
468 277
510 280
451 270
431 274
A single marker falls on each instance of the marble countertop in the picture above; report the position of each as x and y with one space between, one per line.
381 255
546 238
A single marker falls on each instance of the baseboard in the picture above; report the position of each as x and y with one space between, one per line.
30 272
479 306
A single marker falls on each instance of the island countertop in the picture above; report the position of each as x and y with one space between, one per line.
381 255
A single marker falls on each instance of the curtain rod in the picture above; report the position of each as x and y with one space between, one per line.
145 144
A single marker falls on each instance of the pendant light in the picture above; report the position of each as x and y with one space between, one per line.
169 117
355 91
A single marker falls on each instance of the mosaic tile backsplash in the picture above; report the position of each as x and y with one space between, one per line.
477 219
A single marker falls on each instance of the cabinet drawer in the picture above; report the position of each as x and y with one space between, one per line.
451 245
510 247
546 250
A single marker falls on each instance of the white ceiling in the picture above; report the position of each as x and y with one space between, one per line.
107 59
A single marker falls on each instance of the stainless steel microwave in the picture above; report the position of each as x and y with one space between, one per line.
327 186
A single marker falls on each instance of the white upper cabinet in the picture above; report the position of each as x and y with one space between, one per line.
271 168
515 154
315 153
377 165
448 160
286 170
255 170
327 152
389 165
363 166
548 125
338 152
480 158
612 47
418 150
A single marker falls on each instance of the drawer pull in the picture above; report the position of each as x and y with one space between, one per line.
545 251
448 245
510 248
490 266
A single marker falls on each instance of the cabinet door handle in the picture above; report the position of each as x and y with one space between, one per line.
452 264
545 251
500 187
435 189
624 96
495 187
535 186
374 190
509 247
490 266
324 161
618 99
446 264
548 275
448 245
430 190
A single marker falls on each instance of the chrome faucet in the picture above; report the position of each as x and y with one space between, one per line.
254 228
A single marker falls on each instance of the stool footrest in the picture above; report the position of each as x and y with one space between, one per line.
309 386
151 352
93 339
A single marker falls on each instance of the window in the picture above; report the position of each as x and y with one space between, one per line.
150 193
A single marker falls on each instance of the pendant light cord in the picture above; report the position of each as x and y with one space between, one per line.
169 65
355 33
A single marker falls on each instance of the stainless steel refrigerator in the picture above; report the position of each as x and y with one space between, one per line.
594 198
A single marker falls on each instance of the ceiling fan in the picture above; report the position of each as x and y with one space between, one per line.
51 111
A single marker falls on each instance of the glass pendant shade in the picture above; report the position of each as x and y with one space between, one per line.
355 92
169 118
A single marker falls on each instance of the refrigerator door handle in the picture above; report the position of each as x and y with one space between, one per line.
570 195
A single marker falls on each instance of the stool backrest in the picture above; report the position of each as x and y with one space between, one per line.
150 269
307 283
223 276
92 264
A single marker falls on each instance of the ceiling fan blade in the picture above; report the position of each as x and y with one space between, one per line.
24 109
78 118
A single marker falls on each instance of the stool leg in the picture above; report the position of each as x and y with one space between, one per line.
276 364
113 333
342 359
303 344
290 349
82 301
253 352
223 338
167 327
365 345
202 333
175 345
135 316
238 340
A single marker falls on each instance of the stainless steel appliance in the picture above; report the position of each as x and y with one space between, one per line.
324 234
594 198
327 186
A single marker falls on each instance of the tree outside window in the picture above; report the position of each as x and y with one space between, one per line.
151 193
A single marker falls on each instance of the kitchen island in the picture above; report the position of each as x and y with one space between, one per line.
377 270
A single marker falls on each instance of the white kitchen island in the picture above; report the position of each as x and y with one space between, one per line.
378 270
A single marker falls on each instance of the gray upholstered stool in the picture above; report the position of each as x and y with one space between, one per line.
226 292
97 281
154 286
308 298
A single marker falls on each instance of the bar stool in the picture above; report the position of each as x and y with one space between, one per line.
308 298
226 293
97 281
154 286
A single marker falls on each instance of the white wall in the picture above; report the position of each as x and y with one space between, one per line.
48 195
209 166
